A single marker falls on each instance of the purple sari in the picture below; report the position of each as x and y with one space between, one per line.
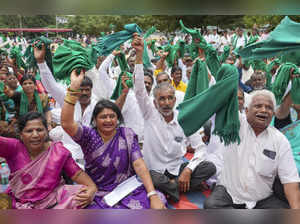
110 163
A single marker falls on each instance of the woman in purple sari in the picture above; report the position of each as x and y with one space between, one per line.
36 165
112 154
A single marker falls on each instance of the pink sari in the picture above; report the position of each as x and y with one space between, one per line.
38 185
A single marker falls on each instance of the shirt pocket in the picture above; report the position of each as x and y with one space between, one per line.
266 166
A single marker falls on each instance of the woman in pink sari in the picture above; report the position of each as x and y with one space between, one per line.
36 165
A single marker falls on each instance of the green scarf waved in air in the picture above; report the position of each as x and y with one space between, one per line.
282 80
69 56
198 81
221 99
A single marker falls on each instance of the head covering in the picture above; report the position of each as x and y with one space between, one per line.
24 104
205 104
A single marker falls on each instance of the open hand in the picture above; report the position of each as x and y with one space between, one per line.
85 196
184 180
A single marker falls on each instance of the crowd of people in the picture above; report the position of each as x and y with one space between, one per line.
107 122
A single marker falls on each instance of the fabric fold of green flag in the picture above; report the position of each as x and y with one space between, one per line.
108 43
269 67
221 99
282 40
69 56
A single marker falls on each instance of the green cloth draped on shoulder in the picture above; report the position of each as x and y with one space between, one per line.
282 40
221 99
124 71
269 67
24 104
198 81
108 43
69 56
15 53
281 83
258 65
29 53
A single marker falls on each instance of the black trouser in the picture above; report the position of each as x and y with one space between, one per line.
220 198
163 182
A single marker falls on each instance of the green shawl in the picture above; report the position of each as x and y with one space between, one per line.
15 53
269 67
281 83
29 53
212 59
108 43
221 99
24 104
282 40
69 56
146 59
224 54
198 81
124 71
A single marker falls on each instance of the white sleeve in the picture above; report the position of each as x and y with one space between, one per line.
104 76
56 90
287 169
200 150
144 101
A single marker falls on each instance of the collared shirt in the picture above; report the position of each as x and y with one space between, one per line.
164 143
251 167
181 87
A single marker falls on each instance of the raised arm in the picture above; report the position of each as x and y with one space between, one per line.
104 76
56 90
140 91
67 113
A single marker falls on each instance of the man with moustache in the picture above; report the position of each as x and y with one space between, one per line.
251 167
164 140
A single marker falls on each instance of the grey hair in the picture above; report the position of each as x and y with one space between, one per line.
162 86
262 92
162 73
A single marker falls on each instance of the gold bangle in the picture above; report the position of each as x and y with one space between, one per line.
66 101
71 98
73 90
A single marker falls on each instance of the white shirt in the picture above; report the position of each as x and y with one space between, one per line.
223 42
164 143
214 38
241 42
249 174
131 111
58 92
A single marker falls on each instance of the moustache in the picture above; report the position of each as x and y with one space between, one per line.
166 108
84 96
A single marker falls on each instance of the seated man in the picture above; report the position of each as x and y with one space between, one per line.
250 168
164 140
